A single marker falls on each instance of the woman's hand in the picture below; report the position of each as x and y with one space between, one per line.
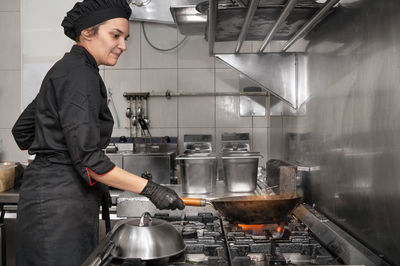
162 197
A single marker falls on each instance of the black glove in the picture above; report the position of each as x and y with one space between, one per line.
162 197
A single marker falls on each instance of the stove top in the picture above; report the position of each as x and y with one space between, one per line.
290 244
212 241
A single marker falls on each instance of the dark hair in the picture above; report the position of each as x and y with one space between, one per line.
93 31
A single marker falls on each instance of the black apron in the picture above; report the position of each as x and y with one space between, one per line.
57 226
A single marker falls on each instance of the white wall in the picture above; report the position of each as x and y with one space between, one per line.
10 78
144 69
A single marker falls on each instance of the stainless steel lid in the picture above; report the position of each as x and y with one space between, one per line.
146 238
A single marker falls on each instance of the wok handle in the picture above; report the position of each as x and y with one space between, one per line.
199 202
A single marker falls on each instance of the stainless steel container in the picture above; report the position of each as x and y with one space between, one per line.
198 172
240 170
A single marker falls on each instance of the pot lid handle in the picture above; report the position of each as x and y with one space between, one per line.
142 219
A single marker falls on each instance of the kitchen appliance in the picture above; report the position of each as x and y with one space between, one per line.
197 143
234 142
240 170
152 158
197 164
213 241
257 209
146 238
198 172
202 235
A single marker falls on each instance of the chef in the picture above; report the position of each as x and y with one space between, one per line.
67 126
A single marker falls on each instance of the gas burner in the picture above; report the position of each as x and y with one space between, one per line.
188 229
189 225
211 241
274 244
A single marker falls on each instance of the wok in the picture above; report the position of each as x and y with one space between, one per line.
257 209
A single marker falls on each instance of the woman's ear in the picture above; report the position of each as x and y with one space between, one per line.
86 35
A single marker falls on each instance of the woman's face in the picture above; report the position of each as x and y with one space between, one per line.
110 41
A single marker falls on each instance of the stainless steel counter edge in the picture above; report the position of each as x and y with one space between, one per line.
12 196
350 250
9 197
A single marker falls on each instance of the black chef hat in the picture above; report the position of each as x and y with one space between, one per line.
89 13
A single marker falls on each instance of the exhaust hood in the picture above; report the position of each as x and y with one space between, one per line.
156 11
256 20
249 20
187 18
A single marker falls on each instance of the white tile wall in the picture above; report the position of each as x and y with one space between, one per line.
260 143
161 36
10 77
196 112
196 80
159 80
10 97
227 113
10 51
164 112
276 137
263 121
118 82
194 54
9 5
227 80
10 150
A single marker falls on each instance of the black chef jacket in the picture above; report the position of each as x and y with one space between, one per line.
67 125
70 116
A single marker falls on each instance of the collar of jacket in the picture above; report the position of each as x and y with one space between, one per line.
79 49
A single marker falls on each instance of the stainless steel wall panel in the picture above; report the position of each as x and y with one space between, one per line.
352 125
274 72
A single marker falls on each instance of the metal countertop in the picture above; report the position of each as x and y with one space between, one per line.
9 197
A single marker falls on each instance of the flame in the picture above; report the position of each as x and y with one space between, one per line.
252 227
280 228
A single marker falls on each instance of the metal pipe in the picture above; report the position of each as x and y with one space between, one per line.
249 17
285 13
310 24
212 21
167 95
